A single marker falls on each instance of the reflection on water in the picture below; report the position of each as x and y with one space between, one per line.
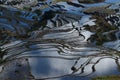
62 61
55 47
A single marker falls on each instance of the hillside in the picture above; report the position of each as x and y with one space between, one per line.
59 39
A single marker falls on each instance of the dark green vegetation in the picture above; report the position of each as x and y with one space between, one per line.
113 77
103 31
100 11
61 0
90 1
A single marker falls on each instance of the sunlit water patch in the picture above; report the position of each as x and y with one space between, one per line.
57 46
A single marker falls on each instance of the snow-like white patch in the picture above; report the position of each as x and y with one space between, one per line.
87 34
113 44
61 35
46 67
90 23
85 20
112 1
1 68
116 6
106 66
11 44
